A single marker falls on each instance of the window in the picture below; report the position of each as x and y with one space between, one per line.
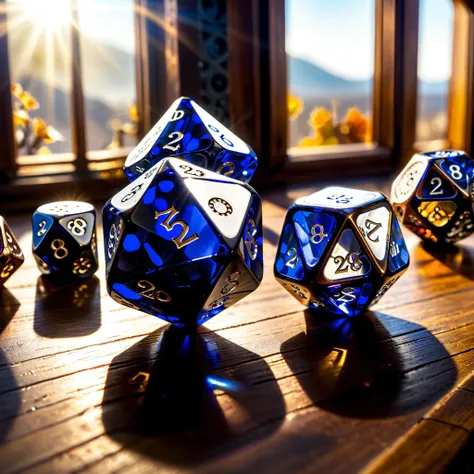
434 71
330 54
108 72
73 84
355 72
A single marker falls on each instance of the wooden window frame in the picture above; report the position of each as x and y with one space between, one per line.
24 180
265 93
167 66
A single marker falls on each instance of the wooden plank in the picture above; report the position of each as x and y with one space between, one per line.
104 388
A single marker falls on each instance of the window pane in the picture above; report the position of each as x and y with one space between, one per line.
434 69
38 34
330 48
108 72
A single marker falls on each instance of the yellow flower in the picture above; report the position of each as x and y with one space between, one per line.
28 101
355 127
295 106
48 133
116 124
44 150
16 89
319 117
20 117
129 128
133 112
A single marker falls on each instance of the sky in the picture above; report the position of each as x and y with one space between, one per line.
338 35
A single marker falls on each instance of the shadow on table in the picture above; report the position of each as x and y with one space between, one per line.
70 311
456 257
9 305
184 399
9 394
355 368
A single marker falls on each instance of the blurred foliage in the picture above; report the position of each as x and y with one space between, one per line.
327 130
123 129
295 107
31 133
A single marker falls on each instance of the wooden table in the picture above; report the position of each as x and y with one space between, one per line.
89 385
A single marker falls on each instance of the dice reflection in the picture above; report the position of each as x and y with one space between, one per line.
340 250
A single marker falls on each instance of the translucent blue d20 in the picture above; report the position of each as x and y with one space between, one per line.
183 243
340 250
188 131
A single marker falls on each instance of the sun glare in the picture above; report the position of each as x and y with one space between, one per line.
49 15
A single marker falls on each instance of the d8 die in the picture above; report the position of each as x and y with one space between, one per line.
340 250
65 241
431 196
188 131
11 256
183 243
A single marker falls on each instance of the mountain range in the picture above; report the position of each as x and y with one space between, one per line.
109 87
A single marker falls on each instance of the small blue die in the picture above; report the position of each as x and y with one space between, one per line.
188 131
340 250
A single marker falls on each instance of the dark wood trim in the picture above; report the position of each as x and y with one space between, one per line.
27 193
152 61
77 94
461 92
7 142
395 77
187 39
258 78
243 39
330 166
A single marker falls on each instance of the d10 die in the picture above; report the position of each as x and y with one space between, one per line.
431 196
188 131
340 250
183 243
11 256
65 241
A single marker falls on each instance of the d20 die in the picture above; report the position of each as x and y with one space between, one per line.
340 250
183 243
65 241
11 256
188 131
431 196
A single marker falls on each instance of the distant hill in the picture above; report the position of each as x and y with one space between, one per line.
308 80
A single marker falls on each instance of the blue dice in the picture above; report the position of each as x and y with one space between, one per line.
183 243
340 250
188 131
65 241
433 194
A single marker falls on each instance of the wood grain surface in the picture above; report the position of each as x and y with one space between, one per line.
87 385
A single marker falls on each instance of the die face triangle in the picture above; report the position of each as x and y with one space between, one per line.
347 259
374 227
221 134
130 196
188 170
79 227
141 150
41 225
225 204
